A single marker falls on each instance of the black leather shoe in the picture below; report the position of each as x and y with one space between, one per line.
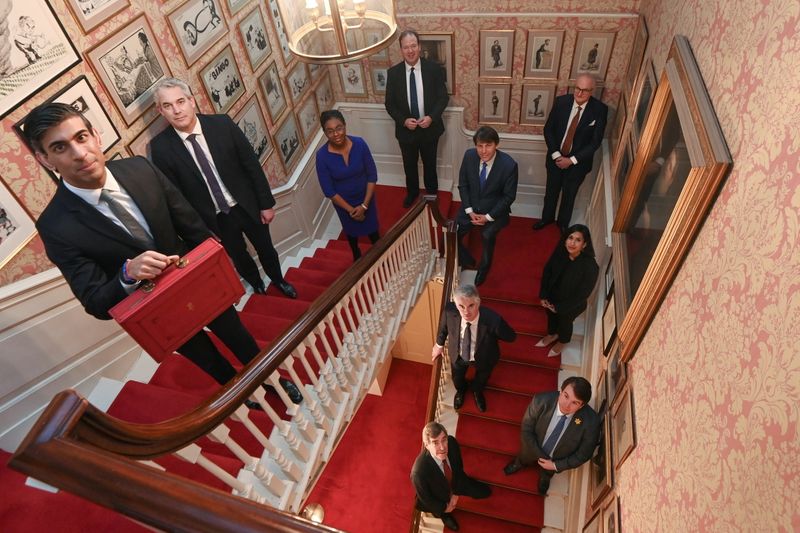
541 224
458 401
480 277
480 401
255 406
259 289
291 390
449 522
513 467
544 486
287 289
409 201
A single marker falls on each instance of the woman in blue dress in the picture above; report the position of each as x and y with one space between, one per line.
347 175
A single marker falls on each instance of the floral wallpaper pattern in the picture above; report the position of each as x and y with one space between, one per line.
34 188
717 376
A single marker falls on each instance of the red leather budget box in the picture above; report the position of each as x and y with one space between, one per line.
164 314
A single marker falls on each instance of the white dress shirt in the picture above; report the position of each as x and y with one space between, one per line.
201 140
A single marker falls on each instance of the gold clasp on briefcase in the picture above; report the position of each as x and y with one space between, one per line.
149 284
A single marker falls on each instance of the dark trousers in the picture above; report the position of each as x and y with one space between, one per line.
561 324
411 152
565 182
467 487
202 352
231 228
459 371
489 233
353 242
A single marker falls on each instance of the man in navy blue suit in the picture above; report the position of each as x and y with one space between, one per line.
573 132
487 183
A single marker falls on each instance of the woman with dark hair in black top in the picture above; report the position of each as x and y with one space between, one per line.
567 281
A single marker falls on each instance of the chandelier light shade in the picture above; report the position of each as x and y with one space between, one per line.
338 31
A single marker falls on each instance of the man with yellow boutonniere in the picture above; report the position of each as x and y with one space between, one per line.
559 431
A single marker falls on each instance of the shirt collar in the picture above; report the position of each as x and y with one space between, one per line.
415 65
92 196
197 130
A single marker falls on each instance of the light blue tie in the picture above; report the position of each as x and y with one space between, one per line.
412 90
482 177
550 444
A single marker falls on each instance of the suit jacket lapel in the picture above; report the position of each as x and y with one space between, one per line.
141 195
94 219
182 152
213 142
544 420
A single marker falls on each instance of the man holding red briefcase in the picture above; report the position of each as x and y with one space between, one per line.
112 225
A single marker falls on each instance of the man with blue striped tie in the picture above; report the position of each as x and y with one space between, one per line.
559 431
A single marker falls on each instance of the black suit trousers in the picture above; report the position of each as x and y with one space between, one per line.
561 324
231 227
202 352
489 233
459 371
565 182
427 149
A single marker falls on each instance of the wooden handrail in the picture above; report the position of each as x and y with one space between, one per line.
433 389
76 447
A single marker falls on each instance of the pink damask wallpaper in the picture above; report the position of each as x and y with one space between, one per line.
717 377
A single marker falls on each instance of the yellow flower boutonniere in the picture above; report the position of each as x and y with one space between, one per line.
578 421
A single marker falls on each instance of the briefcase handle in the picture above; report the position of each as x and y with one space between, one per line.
149 284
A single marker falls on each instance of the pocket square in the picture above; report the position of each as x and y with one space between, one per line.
592 123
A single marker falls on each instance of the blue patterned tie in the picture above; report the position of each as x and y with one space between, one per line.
208 173
482 177
412 89
550 444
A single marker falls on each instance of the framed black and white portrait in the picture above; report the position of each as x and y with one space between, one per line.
272 89
91 13
16 225
496 53
140 145
38 51
592 54
280 31
289 142
324 94
251 121
222 81
298 81
352 77
372 38
438 47
308 118
543 54
197 25
234 6
537 100
253 34
493 102
378 75
129 63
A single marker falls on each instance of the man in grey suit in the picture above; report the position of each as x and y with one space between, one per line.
487 183
559 431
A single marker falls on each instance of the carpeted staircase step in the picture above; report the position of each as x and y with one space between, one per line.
523 350
26 509
337 255
488 434
519 289
306 292
177 372
500 405
488 466
523 318
508 504
264 328
522 378
476 523
277 306
179 467
324 265
317 277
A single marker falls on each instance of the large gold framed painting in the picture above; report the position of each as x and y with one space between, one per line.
678 168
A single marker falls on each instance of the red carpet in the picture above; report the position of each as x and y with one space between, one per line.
366 487
490 440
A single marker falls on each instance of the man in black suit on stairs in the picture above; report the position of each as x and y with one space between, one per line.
559 431
438 476
573 132
210 160
487 183
110 226
416 97
474 332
